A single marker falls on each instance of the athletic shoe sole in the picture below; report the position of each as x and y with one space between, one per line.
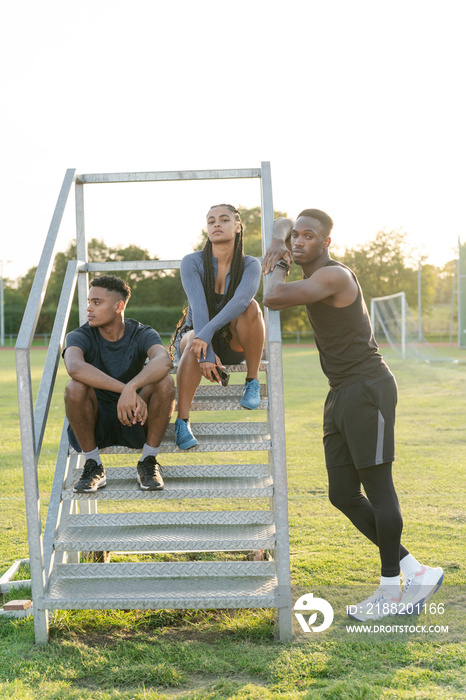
429 590
187 445
99 485
150 488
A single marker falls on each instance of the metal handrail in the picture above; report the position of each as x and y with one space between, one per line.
44 268
53 353
170 175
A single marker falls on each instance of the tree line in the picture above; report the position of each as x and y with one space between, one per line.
383 266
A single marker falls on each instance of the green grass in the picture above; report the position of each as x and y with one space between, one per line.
110 655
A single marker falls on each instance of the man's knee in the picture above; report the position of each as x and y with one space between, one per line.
76 392
164 390
341 499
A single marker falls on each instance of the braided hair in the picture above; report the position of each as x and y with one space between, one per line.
236 273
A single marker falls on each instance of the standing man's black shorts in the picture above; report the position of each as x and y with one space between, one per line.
109 431
359 423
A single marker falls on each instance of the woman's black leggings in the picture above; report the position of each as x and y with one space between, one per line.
378 516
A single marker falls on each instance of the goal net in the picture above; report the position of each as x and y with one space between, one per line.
393 320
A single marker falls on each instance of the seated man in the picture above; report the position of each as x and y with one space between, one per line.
114 396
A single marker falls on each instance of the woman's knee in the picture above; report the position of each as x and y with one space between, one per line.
186 342
254 311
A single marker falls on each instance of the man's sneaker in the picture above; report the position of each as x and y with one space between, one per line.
183 436
419 588
251 394
92 478
150 474
380 604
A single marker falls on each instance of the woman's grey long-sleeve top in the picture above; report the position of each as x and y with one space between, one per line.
192 278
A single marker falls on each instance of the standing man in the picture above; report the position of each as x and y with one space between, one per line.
120 391
359 413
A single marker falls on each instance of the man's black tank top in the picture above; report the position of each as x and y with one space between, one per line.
345 341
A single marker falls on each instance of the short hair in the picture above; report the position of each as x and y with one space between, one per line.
113 284
321 216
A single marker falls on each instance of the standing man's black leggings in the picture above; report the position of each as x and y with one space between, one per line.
378 516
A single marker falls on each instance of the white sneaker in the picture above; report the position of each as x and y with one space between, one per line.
383 602
419 588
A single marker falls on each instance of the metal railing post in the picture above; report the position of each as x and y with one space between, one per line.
277 423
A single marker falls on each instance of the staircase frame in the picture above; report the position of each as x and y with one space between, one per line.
33 416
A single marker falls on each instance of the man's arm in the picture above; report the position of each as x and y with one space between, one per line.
335 282
131 408
83 372
279 248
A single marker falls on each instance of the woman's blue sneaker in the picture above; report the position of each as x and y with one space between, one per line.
183 436
251 394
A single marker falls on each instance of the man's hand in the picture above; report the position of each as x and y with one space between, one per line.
279 248
131 409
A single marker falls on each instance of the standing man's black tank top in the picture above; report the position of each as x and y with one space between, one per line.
345 341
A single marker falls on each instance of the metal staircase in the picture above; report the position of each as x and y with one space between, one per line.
162 525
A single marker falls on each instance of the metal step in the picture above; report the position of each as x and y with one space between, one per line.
217 398
223 437
178 585
166 538
213 437
127 488
201 517
188 471
168 532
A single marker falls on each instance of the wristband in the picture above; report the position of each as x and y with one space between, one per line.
282 263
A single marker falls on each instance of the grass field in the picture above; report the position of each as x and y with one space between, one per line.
218 655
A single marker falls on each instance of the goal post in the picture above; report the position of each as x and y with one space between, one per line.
389 315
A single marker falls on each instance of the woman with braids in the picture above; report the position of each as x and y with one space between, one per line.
223 322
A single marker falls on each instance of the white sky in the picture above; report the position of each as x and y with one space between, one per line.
359 106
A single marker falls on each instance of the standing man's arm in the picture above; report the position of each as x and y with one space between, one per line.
279 248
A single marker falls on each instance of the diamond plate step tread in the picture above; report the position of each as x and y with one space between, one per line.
229 443
218 398
122 489
166 538
185 569
238 368
190 471
246 428
230 391
222 517
217 403
162 593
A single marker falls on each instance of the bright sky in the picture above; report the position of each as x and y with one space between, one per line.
359 106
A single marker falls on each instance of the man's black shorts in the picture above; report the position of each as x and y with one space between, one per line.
109 431
359 423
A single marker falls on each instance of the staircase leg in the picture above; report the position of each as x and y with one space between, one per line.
41 625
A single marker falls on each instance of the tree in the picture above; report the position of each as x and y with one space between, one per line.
383 267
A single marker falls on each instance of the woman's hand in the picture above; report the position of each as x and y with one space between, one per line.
199 348
209 371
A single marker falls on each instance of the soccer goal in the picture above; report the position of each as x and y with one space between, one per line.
392 319
388 316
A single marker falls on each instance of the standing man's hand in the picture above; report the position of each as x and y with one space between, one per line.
279 248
